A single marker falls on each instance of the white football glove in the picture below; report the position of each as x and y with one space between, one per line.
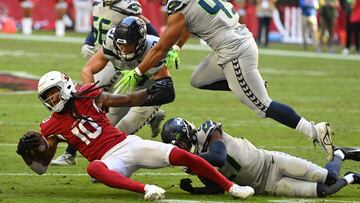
87 50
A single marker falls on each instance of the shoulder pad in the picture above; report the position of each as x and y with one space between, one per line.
174 6
127 7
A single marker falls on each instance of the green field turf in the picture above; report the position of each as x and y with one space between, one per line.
319 87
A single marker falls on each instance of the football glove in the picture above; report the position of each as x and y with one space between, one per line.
173 58
27 142
208 127
87 50
128 81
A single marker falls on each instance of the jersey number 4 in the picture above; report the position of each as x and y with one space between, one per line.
86 130
215 8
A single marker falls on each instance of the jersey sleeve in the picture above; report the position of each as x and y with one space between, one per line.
174 6
127 7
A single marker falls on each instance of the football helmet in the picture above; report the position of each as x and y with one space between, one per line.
130 31
110 2
181 133
65 87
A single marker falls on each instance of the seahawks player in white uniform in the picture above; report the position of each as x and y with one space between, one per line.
106 15
268 172
232 65
125 46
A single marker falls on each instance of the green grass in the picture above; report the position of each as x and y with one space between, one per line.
319 89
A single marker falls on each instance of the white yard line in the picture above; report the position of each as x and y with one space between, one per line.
195 47
85 174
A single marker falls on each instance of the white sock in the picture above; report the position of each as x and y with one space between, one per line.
59 28
307 128
26 24
349 178
340 154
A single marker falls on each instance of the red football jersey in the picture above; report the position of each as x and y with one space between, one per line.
93 136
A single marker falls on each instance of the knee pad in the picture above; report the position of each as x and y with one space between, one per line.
296 167
284 188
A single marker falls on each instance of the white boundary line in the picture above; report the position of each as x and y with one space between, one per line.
85 174
270 52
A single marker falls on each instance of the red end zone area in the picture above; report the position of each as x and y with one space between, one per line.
13 82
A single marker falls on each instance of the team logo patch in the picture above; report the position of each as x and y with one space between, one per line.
14 82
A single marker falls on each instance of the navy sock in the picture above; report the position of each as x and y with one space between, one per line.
283 114
333 168
71 150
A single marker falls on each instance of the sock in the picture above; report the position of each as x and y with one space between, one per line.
71 150
340 154
199 166
283 114
349 178
100 172
59 28
26 24
333 168
307 128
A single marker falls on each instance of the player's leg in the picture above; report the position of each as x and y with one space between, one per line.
61 9
136 118
247 84
67 158
208 75
115 168
152 154
26 21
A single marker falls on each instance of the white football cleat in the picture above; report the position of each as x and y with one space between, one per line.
323 137
64 160
153 192
242 192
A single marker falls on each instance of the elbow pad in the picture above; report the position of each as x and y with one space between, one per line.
160 92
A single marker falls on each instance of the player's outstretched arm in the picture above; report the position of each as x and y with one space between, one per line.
94 65
36 151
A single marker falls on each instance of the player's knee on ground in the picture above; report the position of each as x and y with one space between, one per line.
295 188
95 168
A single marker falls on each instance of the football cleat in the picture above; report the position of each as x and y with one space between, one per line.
323 137
155 122
242 192
350 153
356 177
64 160
153 192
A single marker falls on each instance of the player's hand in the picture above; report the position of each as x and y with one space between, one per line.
87 50
27 142
128 81
173 58
185 184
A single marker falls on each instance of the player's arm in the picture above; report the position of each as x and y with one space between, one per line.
216 152
210 187
94 65
38 162
216 155
185 35
172 32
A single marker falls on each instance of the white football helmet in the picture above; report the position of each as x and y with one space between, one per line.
62 82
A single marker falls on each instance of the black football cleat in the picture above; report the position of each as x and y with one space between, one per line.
350 153
356 177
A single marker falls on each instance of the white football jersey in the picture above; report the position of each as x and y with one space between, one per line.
121 64
107 17
216 22
245 164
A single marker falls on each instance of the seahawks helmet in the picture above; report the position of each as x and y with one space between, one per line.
181 133
64 84
131 30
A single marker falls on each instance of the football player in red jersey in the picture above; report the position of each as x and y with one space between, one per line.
114 156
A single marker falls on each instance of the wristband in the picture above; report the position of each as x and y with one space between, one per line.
137 71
